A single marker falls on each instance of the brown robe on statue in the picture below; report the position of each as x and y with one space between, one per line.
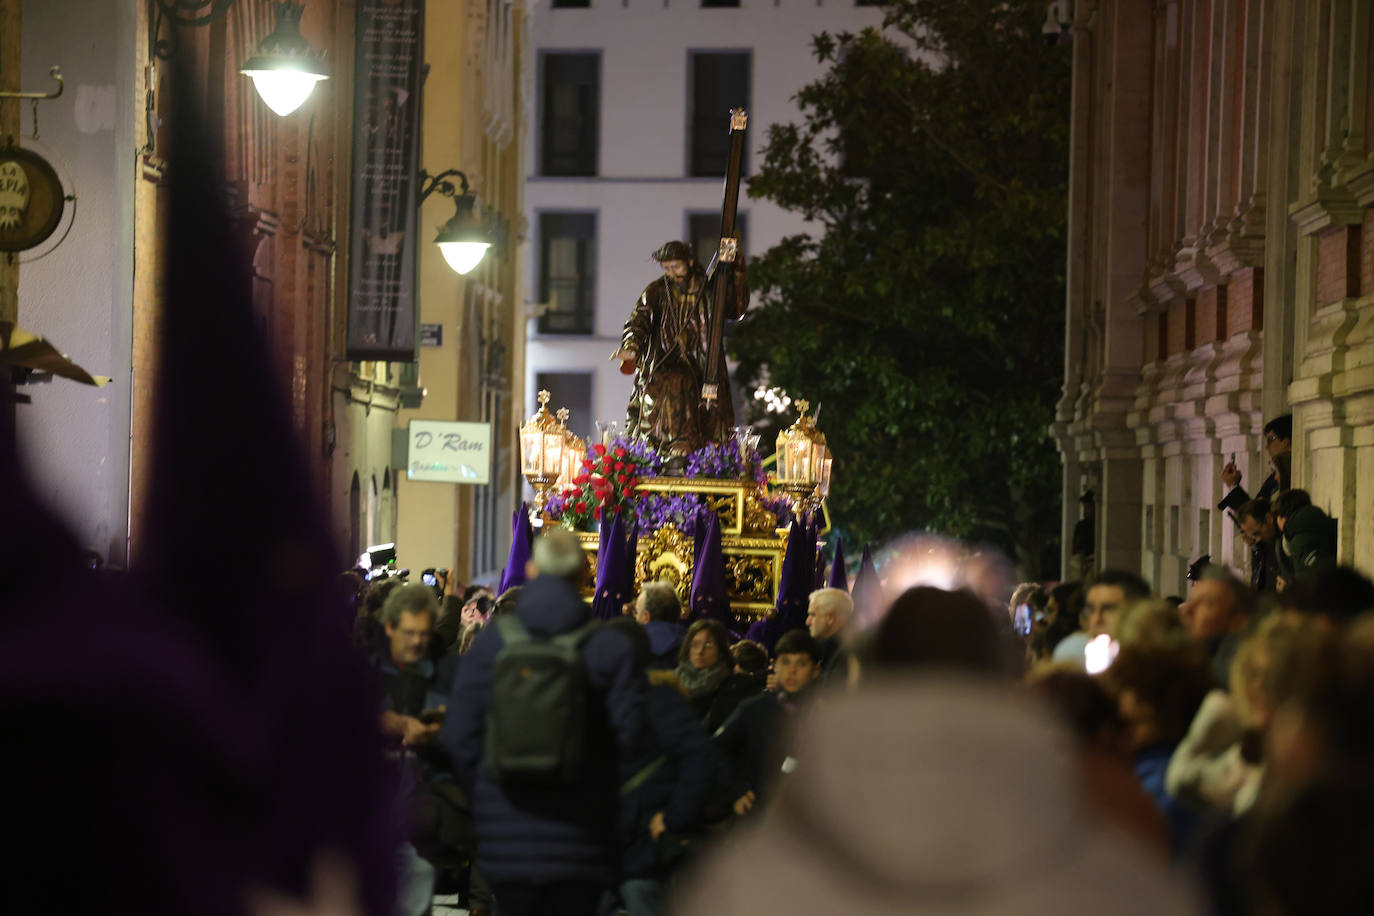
669 330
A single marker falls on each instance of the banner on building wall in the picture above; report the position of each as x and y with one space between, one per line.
386 165
448 452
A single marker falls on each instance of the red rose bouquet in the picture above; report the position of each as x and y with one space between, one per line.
605 486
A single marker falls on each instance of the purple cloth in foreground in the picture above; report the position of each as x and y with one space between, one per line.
838 579
521 542
206 738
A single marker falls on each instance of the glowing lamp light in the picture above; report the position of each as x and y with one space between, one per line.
823 483
284 68
801 452
463 256
574 451
463 240
542 444
283 91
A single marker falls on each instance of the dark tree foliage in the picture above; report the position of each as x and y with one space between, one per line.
925 309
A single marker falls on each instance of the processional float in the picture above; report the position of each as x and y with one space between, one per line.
663 493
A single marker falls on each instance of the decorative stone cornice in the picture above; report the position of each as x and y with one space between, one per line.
1240 242
1360 183
1195 269
1331 207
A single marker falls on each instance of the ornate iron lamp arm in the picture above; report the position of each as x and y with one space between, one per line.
429 184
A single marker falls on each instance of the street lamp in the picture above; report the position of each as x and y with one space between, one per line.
284 68
463 240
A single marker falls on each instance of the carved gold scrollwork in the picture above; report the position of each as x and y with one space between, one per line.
725 507
666 557
757 518
590 553
750 579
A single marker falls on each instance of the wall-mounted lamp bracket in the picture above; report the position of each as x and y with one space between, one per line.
55 73
193 13
431 183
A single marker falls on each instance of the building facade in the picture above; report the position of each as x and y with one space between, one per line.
287 183
628 151
477 51
1220 269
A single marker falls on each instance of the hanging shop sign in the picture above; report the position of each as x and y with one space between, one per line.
449 452
386 156
31 199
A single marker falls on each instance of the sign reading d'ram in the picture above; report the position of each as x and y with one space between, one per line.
449 452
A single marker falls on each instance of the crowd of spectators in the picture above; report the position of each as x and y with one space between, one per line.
1208 753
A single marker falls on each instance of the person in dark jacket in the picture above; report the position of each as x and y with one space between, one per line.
664 797
747 680
414 690
752 739
1278 446
1307 544
704 663
551 849
1278 441
1258 528
659 602
827 617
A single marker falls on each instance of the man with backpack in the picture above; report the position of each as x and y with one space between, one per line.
546 712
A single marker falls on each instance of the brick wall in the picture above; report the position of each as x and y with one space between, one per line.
1210 315
1367 254
1338 264
1181 326
1245 301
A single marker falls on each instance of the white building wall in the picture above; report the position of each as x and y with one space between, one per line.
365 414
642 194
74 438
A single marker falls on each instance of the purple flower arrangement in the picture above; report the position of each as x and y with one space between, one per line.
680 510
601 485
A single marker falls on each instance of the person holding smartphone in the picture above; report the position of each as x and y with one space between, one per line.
1278 445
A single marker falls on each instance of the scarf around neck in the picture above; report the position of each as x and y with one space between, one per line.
699 681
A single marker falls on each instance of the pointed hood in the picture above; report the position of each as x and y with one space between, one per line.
838 578
700 524
867 592
794 589
249 684
709 597
521 543
612 590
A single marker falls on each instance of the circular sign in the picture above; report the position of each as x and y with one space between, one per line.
31 199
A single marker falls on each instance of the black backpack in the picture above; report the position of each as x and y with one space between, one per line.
537 718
